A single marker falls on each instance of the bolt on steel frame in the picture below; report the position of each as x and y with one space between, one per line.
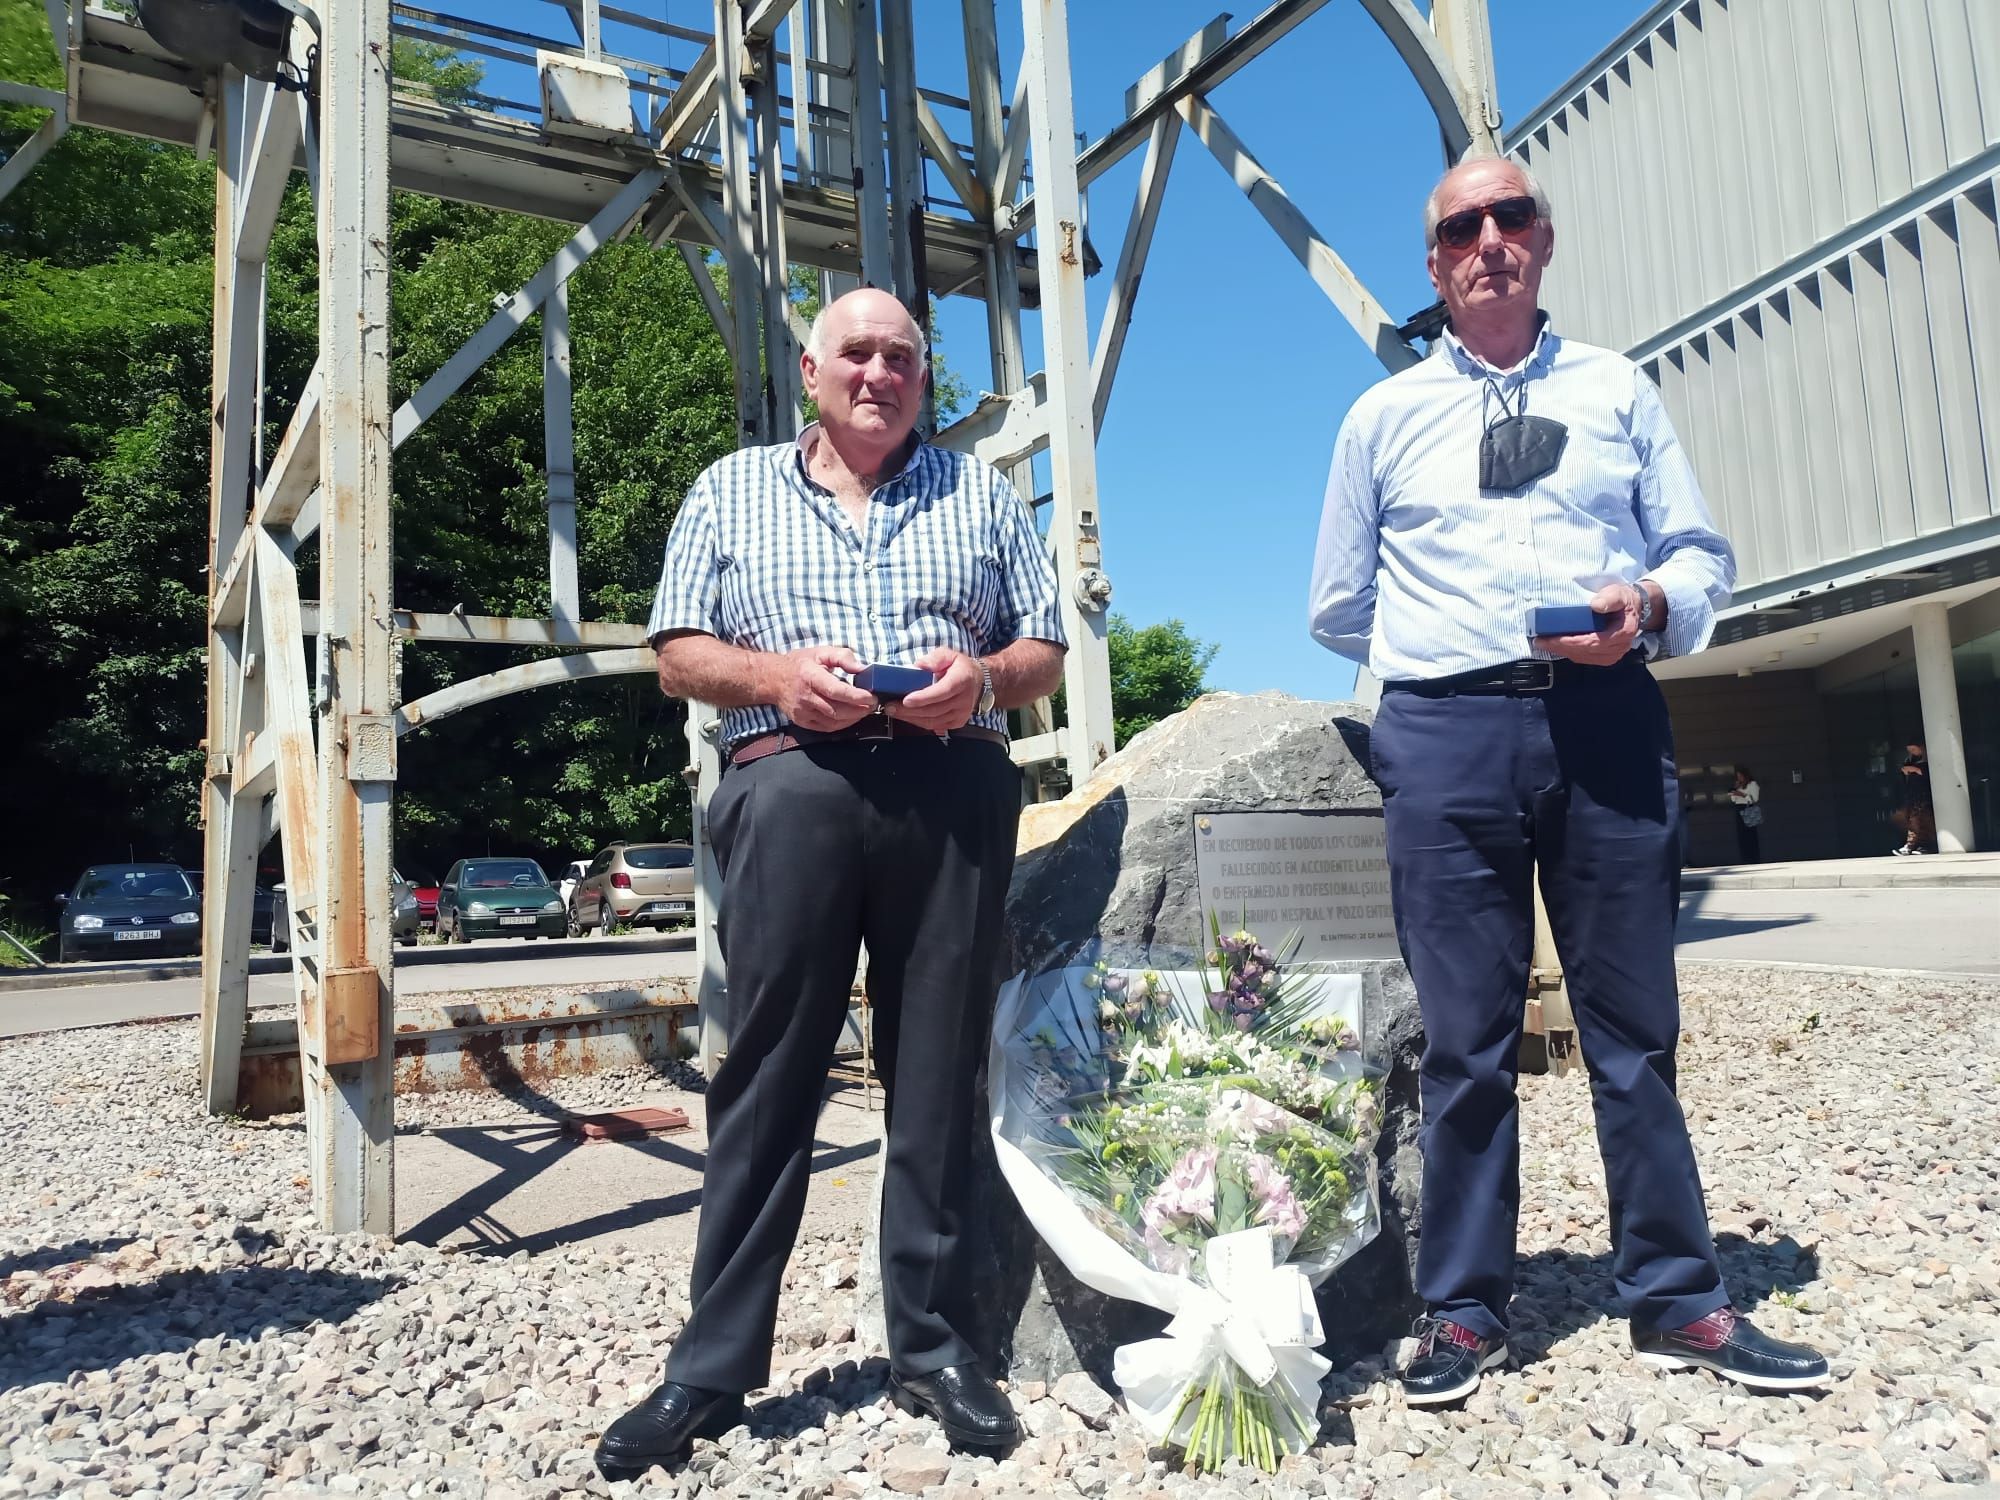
819 155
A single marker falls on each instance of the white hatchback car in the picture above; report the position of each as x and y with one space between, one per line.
574 871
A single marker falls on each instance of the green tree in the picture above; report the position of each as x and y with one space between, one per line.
1155 671
105 332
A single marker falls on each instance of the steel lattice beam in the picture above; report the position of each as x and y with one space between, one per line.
314 754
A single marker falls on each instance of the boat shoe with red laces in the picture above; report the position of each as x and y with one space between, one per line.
1730 1344
1449 1360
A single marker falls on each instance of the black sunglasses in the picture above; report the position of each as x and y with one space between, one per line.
1510 216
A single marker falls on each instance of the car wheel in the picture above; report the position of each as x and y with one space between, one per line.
575 923
604 919
531 936
64 953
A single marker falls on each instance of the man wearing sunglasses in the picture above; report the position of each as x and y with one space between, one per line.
1511 471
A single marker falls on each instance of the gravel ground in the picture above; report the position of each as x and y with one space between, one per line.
170 1323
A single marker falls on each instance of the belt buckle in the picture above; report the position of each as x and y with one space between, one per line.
1534 676
876 726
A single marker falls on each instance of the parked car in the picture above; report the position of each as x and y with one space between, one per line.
263 904
573 872
404 923
498 898
123 910
425 890
406 912
648 885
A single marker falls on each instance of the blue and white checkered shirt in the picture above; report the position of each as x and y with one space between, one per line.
762 556
1421 573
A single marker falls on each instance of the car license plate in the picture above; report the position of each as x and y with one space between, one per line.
133 937
668 907
517 921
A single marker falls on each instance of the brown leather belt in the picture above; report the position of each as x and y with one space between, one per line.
875 727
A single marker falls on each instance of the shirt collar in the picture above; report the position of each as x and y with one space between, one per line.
803 446
1540 357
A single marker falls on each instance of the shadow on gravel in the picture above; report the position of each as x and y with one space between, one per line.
58 1255
845 1387
519 1153
1559 1292
98 1328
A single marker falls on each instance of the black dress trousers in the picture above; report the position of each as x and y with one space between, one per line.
907 844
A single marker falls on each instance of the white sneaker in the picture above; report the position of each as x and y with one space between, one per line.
1902 849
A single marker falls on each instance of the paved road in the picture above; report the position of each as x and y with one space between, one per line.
419 971
1948 930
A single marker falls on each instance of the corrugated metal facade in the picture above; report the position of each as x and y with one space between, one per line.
1785 210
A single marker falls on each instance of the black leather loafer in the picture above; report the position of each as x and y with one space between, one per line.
1449 1360
969 1407
662 1428
1731 1345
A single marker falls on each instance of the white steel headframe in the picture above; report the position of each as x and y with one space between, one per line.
830 173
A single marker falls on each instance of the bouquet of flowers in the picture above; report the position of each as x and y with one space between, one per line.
1202 1140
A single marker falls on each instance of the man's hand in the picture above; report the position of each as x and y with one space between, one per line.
806 692
947 703
1631 603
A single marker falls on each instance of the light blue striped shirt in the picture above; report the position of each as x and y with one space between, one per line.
762 556
1420 573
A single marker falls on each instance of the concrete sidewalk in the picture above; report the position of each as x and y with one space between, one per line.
1886 872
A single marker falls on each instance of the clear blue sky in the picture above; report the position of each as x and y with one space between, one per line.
1238 370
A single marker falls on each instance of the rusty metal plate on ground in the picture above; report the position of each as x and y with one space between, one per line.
621 1124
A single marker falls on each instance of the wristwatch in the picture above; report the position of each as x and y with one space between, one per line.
1645 609
985 705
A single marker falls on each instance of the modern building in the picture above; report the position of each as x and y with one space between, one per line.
1784 210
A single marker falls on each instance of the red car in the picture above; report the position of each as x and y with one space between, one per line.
426 891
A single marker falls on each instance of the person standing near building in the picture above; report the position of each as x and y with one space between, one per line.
1916 815
1749 800
844 818
1514 469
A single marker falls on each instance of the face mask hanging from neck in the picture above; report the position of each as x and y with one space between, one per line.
1518 449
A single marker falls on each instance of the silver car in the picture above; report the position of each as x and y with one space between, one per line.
405 923
647 885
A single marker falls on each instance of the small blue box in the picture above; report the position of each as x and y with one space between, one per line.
892 682
1571 619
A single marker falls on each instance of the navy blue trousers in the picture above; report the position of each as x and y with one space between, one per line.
1478 793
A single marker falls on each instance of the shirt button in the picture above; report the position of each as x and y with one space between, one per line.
869 566
1520 541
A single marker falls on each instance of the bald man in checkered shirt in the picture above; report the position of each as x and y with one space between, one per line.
840 819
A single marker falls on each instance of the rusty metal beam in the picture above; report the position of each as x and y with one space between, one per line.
515 1039
1073 522
350 1110
495 630
1003 430
1132 263
229 821
1201 75
462 695
1329 272
283 499
516 310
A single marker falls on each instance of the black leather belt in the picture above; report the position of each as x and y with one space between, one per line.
1514 679
874 727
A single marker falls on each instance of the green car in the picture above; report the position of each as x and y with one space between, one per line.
498 898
